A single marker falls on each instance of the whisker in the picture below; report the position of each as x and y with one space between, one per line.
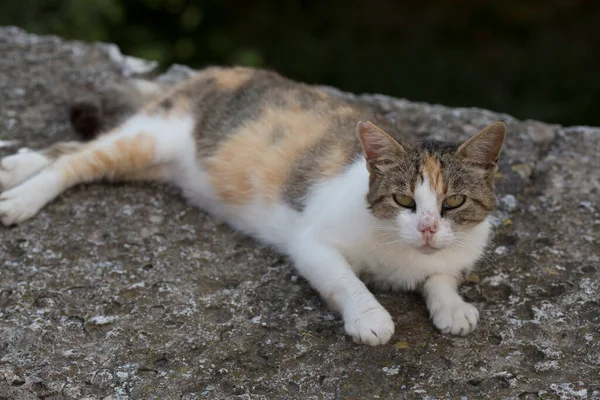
388 239
386 245
387 229
469 246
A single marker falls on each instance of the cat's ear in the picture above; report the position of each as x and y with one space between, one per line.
483 149
377 145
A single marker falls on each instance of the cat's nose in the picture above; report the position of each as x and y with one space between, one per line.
428 230
428 227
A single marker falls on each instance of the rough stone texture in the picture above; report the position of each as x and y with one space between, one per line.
125 292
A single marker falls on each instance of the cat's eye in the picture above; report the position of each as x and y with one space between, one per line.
404 201
454 201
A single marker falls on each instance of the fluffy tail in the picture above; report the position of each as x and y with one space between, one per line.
93 111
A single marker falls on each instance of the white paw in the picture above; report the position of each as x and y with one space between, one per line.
459 318
19 167
24 201
374 326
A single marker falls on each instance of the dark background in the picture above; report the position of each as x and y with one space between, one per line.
532 59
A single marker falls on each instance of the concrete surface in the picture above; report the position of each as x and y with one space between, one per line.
125 292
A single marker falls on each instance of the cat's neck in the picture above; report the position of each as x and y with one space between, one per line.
339 207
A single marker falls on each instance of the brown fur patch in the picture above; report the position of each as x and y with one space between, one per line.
60 149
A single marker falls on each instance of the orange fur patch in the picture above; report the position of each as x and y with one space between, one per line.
154 173
433 169
231 78
333 164
321 94
120 157
250 164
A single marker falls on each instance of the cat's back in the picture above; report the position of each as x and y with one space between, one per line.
262 137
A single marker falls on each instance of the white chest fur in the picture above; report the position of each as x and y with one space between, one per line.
338 213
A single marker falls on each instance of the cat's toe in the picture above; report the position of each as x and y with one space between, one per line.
19 167
373 326
456 319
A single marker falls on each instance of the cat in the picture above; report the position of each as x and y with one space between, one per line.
307 172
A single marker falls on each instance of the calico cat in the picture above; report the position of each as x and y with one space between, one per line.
296 168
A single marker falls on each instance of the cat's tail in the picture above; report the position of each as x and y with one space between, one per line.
94 110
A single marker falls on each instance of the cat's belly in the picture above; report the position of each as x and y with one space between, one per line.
272 223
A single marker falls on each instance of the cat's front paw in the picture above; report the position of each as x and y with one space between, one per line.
19 167
459 318
25 200
373 326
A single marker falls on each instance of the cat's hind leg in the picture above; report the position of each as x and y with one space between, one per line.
144 147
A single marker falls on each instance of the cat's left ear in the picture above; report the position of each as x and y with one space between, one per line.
379 147
483 149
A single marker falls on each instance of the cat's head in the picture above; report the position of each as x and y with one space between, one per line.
433 194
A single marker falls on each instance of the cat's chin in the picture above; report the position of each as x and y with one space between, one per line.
428 249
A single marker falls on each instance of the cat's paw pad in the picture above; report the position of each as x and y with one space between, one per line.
457 319
19 167
24 201
373 326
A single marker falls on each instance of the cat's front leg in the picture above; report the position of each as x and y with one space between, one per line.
448 311
365 320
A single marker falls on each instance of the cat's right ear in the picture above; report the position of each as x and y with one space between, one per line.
377 145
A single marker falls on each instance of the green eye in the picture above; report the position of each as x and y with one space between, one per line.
454 201
404 201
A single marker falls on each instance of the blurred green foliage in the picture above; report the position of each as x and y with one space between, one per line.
532 59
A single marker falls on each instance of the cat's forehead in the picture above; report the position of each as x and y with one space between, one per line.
433 161
434 157
444 170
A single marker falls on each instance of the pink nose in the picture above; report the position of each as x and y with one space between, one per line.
430 228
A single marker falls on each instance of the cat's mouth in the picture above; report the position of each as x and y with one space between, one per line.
428 249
